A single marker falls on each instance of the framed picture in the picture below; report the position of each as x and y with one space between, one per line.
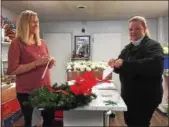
82 47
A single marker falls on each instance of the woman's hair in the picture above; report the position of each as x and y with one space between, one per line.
22 28
143 23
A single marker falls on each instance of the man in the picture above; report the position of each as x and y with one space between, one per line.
140 68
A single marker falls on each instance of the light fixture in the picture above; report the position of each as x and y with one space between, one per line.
81 7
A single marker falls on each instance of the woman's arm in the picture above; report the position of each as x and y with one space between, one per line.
14 66
52 59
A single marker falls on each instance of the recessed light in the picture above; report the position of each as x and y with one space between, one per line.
81 7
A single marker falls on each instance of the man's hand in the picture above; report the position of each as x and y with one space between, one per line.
111 62
118 63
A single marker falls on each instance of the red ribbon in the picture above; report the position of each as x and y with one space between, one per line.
84 83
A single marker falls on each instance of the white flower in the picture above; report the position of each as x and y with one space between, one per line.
165 50
86 65
93 66
69 67
82 69
104 67
76 66
88 69
69 70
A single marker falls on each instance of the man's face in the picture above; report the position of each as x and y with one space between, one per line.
136 30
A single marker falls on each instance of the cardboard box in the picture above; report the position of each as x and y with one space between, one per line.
73 75
5 86
9 108
12 119
8 94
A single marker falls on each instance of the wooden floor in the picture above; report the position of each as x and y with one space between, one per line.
158 119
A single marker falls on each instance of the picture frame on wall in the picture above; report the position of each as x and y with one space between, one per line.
82 47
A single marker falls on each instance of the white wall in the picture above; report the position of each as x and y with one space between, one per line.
7 13
92 27
162 27
165 27
116 26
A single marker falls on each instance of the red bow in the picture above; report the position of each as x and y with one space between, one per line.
84 83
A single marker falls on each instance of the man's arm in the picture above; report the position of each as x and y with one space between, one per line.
152 64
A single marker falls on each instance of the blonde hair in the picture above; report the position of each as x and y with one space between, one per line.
143 23
22 28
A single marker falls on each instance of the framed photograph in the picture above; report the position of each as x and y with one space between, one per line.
82 47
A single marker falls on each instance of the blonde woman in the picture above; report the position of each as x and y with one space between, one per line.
140 68
27 58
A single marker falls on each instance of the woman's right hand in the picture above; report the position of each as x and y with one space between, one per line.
42 60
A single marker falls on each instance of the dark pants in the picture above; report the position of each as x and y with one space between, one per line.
139 113
48 114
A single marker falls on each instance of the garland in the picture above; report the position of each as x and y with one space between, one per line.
44 98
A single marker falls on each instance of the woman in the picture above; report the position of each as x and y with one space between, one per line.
27 58
140 67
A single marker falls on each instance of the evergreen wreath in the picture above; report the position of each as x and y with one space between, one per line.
65 96
64 99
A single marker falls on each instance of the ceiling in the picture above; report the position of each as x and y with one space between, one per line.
50 11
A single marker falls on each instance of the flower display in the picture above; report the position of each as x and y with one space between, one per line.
166 72
9 28
165 48
86 66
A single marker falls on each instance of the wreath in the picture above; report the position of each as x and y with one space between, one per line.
65 96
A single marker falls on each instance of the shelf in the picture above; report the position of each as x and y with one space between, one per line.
4 60
79 58
6 43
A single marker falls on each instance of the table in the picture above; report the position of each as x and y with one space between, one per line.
94 114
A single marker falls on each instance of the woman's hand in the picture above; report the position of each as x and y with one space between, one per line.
52 62
42 60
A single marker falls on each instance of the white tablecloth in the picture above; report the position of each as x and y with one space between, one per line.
94 114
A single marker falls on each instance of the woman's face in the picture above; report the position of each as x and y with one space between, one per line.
136 30
33 25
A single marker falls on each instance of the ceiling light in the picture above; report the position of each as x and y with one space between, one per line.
81 7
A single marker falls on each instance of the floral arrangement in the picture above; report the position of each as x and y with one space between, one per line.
166 108
9 28
86 66
166 72
66 96
165 48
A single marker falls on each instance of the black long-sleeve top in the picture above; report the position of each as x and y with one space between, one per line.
141 71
